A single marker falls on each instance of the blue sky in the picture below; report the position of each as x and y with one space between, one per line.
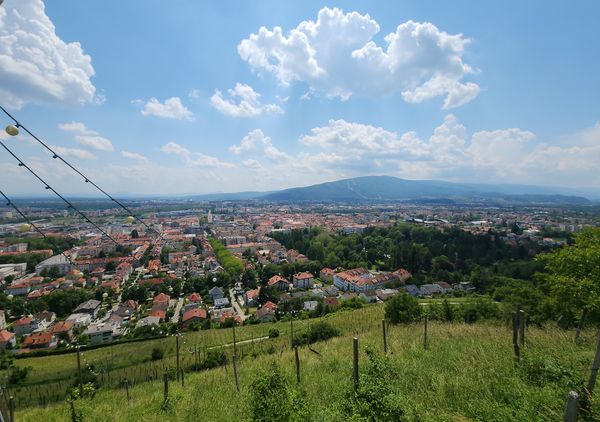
159 97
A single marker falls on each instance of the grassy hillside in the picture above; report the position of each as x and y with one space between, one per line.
467 373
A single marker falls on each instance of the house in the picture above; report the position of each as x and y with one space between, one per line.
402 275
91 307
332 291
369 296
303 280
318 293
161 298
285 297
195 297
265 314
7 339
158 313
124 312
79 320
385 294
196 315
148 321
222 302
444 287
100 333
412 290
430 290
40 340
62 329
310 305
326 274
251 297
44 318
19 289
348 296
331 302
216 293
25 325
279 283
355 280
59 261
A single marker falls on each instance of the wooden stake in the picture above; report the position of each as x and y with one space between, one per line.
595 367
425 332
127 388
291 331
177 348
182 380
384 336
11 408
297 364
355 363
516 336
522 328
79 372
572 407
166 383
235 374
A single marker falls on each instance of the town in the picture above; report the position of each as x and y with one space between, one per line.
216 264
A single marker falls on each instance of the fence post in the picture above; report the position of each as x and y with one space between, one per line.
384 336
166 382
355 363
177 348
522 328
297 364
425 332
79 372
235 374
182 381
11 408
580 325
595 366
572 405
127 388
291 331
516 336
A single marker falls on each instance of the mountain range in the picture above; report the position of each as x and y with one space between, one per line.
389 188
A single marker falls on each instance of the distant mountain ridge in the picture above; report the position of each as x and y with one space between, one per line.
389 188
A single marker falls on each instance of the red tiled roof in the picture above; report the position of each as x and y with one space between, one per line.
270 305
6 336
194 313
303 276
24 321
61 327
37 339
161 297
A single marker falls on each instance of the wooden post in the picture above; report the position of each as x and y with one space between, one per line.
595 366
580 325
384 336
182 380
522 328
127 387
166 382
297 364
11 408
79 372
235 374
291 331
571 408
177 351
425 332
516 336
355 363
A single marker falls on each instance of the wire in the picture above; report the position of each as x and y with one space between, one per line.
9 203
85 178
66 201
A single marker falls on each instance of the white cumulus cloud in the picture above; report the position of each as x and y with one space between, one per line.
73 152
134 156
87 137
256 142
336 55
172 108
36 66
194 159
244 101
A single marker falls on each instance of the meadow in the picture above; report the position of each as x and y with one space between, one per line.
467 372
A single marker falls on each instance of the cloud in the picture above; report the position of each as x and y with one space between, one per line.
257 142
73 152
249 104
194 94
194 159
36 66
134 156
172 108
336 55
87 137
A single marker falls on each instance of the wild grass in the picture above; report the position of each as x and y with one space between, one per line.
468 372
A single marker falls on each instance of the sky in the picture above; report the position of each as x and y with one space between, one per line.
166 98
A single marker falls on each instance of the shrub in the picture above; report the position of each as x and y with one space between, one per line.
273 333
271 398
402 308
317 332
17 375
477 309
157 353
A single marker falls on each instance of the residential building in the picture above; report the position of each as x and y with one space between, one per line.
303 280
7 339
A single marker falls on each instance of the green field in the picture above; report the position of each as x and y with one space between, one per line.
467 373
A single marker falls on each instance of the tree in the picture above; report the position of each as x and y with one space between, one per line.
402 308
134 234
573 278
54 272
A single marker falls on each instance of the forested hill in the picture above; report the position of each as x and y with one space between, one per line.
377 188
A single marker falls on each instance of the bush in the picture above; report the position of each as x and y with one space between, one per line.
17 375
477 309
317 332
402 308
271 398
376 398
157 353
273 333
